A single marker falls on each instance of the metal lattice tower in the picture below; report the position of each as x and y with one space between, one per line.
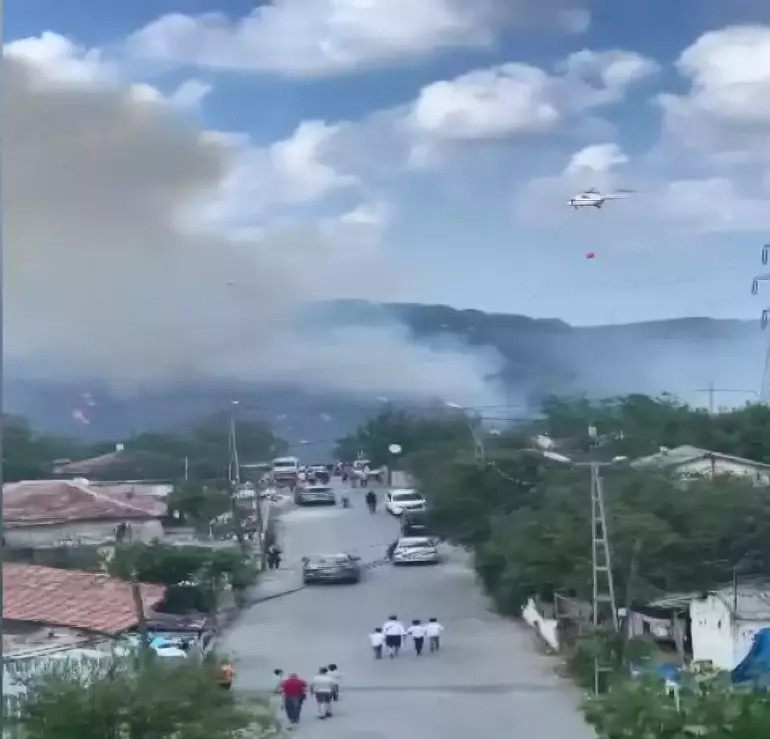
603 583
764 392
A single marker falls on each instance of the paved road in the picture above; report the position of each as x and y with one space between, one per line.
488 675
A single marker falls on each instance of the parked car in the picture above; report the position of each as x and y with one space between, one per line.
331 568
315 495
414 524
416 550
403 501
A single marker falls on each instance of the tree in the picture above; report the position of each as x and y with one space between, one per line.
413 433
193 576
141 697
198 502
28 455
206 446
709 708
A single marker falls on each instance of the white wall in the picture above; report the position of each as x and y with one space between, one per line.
715 637
703 467
84 532
712 637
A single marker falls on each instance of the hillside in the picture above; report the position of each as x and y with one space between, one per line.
540 356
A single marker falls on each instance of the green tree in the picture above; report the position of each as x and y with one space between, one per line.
709 708
28 455
413 433
138 698
193 576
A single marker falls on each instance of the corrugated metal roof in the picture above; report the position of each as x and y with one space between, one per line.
686 453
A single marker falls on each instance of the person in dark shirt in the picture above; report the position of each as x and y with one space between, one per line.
294 691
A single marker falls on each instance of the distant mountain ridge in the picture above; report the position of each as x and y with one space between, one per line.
540 356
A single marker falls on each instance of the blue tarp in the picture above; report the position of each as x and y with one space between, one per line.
756 664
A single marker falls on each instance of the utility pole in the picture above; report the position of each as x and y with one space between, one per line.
711 398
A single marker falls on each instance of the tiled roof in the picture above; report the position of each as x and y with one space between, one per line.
72 598
41 502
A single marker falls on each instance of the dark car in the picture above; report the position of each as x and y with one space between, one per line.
331 568
415 524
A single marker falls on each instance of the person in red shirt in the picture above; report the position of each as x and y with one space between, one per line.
294 691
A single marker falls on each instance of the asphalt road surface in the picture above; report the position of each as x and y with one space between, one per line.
488 676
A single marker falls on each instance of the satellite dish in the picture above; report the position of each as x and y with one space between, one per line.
395 448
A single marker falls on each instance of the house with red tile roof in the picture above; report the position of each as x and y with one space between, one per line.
54 513
87 601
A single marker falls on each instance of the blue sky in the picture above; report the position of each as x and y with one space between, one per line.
453 188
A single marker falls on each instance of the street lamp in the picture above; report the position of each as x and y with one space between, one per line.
394 450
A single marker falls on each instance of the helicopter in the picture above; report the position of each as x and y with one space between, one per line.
594 199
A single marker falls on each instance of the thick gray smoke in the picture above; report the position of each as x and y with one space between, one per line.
103 281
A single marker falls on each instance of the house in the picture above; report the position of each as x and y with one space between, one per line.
51 614
724 622
124 464
51 513
689 462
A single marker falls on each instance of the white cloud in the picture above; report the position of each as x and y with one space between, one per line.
518 99
102 282
190 93
596 158
715 204
292 171
609 72
508 100
726 111
62 60
295 37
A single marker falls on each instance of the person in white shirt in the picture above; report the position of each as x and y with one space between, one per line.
417 632
322 687
377 639
433 631
334 674
394 634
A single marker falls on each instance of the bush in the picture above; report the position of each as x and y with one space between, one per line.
142 697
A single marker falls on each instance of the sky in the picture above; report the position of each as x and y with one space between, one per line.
174 165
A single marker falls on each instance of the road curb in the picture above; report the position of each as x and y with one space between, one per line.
273 596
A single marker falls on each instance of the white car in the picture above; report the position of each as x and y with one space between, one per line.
403 501
416 550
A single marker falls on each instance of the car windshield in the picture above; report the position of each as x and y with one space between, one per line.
318 489
406 496
325 560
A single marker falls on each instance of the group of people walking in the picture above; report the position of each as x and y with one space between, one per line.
324 687
392 636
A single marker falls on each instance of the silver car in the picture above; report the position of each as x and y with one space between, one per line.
416 550
315 495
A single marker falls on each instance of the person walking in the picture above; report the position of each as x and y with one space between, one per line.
334 674
433 631
294 692
371 501
417 632
273 557
394 635
322 687
376 640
